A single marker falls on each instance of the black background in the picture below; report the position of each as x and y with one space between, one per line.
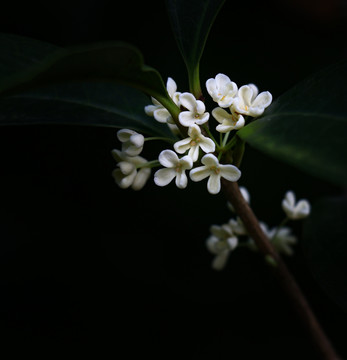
91 269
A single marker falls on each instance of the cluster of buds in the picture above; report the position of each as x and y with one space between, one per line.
227 237
197 144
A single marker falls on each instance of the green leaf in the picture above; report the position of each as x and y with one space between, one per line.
20 57
100 62
94 104
191 22
307 126
325 247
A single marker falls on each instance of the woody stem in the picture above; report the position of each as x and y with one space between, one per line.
285 278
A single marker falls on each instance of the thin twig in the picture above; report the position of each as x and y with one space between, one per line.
285 278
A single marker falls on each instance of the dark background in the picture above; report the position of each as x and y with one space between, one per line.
91 269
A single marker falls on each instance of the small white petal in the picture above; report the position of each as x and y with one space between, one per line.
123 181
182 146
211 244
163 177
232 242
263 100
207 145
124 135
199 173
200 107
171 86
230 172
186 118
220 114
188 101
181 180
211 87
168 158
149 109
126 167
202 119
161 115
213 184
141 178
210 160
302 209
194 153
220 260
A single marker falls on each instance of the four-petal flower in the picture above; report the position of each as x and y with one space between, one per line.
126 174
132 142
215 171
175 167
194 142
195 113
294 210
228 122
249 102
221 243
222 90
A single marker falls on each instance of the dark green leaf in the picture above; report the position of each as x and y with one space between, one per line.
101 62
20 57
325 246
99 104
191 22
307 126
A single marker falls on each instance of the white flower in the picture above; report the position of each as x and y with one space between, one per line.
132 141
282 240
157 110
222 90
295 211
195 113
227 121
126 174
214 170
221 243
244 193
175 167
195 141
248 102
238 226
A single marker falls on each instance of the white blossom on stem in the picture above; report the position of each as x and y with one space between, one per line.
228 122
214 171
295 211
238 226
194 142
195 113
282 239
249 102
127 175
174 168
221 242
157 110
132 142
222 90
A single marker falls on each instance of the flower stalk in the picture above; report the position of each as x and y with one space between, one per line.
285 278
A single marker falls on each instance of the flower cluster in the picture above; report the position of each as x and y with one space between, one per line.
197 143
227 237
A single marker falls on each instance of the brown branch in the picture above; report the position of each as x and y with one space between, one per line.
285 278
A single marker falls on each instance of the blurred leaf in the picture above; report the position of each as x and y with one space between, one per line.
307 126
21 57
325 247
101 62
100 104
191 22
